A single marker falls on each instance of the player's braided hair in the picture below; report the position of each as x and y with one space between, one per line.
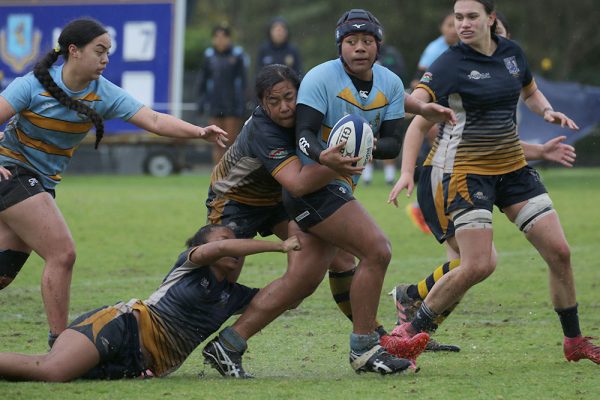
79 32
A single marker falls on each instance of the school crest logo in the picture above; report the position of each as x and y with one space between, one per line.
278 154
512 66
427 77
19 42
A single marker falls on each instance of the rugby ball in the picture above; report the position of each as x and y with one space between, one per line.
358 135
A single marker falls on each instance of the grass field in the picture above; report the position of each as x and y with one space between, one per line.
129 230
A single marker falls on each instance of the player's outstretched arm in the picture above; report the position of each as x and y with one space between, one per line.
170 126
553 150
415 134
210 252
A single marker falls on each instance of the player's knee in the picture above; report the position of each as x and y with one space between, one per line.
535 209
560 255
11 262
483 270
65 259
478 270
380 251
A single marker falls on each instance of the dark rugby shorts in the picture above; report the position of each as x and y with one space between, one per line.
465 191
115 334
22 185
245 220
317 206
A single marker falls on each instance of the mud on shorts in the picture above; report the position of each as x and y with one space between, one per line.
114 332
22 185
245 220
465 191
315 207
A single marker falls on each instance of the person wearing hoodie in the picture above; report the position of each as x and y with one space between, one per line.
277 49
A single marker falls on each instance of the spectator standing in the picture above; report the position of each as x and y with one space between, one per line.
223 85
277 49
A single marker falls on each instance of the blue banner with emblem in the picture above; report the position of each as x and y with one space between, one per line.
141 57
579 102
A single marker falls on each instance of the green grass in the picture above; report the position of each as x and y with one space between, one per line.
128 231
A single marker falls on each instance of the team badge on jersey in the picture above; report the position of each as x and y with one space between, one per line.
278 154
512 66
427 77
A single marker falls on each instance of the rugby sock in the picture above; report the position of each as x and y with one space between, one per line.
232 340
421 289
569 319
339 283
424 318
361 343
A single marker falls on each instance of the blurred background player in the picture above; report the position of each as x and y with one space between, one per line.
277 48
222 90
434 49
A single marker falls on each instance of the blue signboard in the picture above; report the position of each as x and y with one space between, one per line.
141 59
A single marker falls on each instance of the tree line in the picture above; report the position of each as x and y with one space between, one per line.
560 37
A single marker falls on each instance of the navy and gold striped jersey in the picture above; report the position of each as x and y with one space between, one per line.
245 173
43 134
188 307
483 91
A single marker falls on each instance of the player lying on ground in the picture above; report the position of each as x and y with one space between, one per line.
154 336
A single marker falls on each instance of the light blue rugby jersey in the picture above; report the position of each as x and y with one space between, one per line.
328 89
43 134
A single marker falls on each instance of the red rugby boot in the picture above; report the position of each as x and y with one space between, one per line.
580 348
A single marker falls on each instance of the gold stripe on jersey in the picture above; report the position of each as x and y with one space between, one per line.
217 206
13 154
434 147
99 319
380 100
88 97
283 164
55 124
55 177
42 146
325 131
428 90
155 341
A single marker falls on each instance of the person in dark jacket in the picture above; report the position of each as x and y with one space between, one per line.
277 49
223 85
